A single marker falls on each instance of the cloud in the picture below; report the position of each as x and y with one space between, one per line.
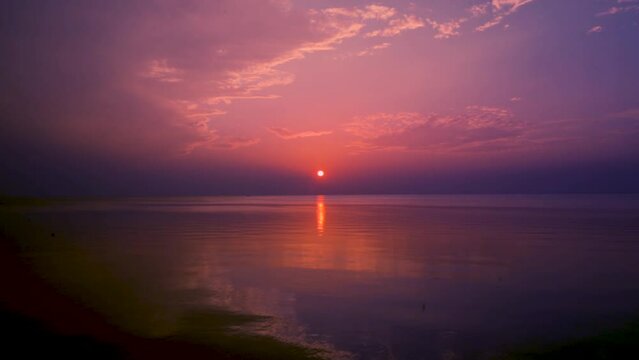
613 10
414 131
214 141
380 124
495 10
145 82
446 30
509 5
373 49
500 9
161 71
369 12
381 46
397 26
155 77
329 27
289 135
595 29
479 9
485 129
209 114
235 142
227 99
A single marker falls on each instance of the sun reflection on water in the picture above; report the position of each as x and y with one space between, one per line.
321 214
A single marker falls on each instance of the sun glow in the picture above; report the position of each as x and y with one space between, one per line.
320 173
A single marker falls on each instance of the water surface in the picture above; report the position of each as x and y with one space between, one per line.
379 277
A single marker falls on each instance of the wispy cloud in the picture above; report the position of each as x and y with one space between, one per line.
249 65
624 6
433 132
483 129
492 13
227 99
289 135
235 142
447 29
397 26
500 9
373 49
381 124
368 12
211 139
595 29
161 71
330 27
208 114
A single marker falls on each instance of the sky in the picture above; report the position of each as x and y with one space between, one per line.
181 97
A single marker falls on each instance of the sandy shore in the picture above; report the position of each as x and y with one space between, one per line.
37 320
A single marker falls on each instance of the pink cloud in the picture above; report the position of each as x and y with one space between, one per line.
330 27
595 29
415 131
161 71
446 30
244 69
496 10
479 9
397 26
159 74
211 139
373 49
619 9
380 124
369 12
509 5
235 142
483 129
611 11
502 9
326 28
289 135
380 46
208 114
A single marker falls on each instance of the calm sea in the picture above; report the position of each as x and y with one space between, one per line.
378 277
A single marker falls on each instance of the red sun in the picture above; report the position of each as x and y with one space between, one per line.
320 173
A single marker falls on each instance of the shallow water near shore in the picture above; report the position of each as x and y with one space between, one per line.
374 277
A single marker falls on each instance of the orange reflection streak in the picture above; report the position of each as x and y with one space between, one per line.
321 214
